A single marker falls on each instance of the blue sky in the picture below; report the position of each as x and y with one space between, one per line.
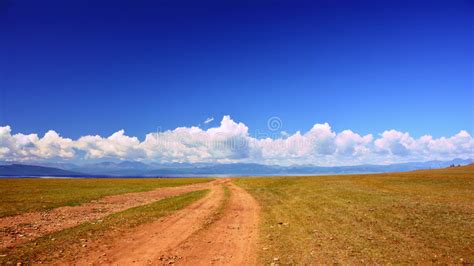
95 67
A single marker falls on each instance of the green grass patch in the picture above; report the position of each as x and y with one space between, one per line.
225 201
219 212
65 242
33 194
422 216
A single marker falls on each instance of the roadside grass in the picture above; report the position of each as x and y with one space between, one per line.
420 216
32 194
68 242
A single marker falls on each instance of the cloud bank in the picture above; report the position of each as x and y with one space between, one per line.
232 142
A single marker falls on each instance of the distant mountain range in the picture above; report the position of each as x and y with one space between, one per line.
139 169
33 170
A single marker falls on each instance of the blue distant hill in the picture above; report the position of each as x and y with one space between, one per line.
139 169
15 170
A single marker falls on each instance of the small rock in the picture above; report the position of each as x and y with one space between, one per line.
276 259
265 248
84 245
170 261
3 255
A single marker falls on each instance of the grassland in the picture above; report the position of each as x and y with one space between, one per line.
27 194
422 216
68 241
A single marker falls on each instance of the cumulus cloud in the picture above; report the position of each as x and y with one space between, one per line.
231 141
117 145
226 143
395 142
30 147
350 143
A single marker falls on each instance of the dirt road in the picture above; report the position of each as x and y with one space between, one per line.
28 226
210 231
231 240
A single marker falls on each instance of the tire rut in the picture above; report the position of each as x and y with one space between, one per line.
25 227
206 232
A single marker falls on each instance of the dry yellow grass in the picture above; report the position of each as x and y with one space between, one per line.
33 194
66 242
421 216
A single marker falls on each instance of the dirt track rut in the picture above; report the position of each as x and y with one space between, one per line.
195 235
28 226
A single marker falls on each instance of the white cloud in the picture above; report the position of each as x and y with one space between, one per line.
31 147
395 143
232 142
350 143
117 145
208 120
228 142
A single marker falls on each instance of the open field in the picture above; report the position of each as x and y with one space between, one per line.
27 226
33 194
218 224
52 246
422 216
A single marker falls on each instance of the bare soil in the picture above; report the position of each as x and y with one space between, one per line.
195 235
231 240
21 228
